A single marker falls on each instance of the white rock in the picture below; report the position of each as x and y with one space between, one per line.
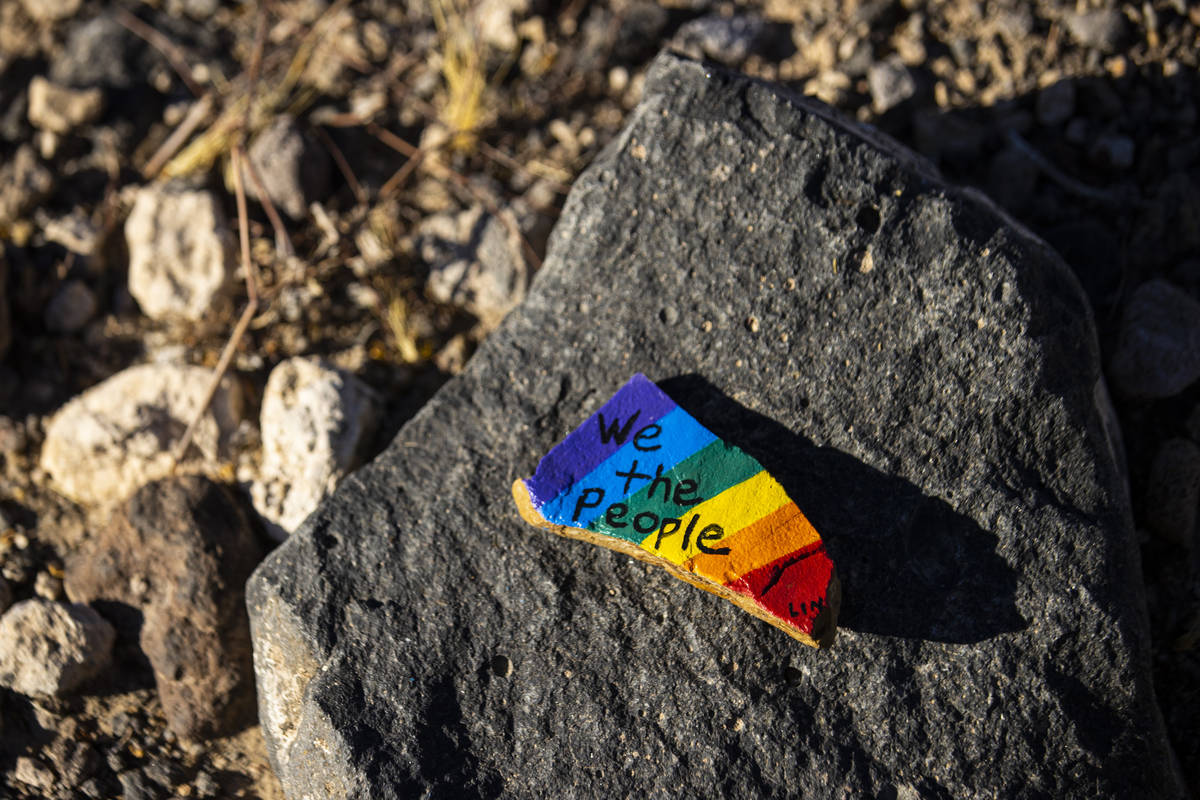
119 434
50 10
180 255
315 420
48 648
475 263
74 231
60 109
32 772
495 18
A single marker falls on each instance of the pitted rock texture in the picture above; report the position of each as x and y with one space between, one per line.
933 409
180 251
49 649
316 420
119 434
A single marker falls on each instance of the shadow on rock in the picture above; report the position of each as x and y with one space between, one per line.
910 565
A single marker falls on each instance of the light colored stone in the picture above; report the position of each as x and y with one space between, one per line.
48 648
315 420
119 434
74 231
51 10
729 40
180 255
60 109
891 83
32 772
496 22
475 263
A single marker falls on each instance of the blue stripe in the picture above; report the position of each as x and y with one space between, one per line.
681 437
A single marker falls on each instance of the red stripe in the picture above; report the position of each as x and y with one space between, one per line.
793 587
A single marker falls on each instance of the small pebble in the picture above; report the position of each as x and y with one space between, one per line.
867 265
1101 29
61 109
891 83
136 787
34 773
49 649
618 80
205 785
71 308
48 587
1158 348
729 40
163 772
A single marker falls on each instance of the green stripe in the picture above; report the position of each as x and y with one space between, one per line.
714 468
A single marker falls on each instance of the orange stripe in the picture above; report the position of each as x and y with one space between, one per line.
779 533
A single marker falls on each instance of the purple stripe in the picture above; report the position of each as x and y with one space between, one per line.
584 449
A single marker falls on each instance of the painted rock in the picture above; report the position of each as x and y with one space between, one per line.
643 477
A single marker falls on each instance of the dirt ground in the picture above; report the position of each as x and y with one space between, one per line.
1080 118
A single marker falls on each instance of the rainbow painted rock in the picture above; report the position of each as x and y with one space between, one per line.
643 477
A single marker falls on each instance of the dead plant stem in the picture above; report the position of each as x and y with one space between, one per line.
247 314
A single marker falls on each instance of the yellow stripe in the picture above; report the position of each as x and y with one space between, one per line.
733 509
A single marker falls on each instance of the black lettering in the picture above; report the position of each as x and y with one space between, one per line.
616 430
711 533
666 484
616 512
682 489
664 531
653 522
583 503
779 570
648 432
631 475
687 535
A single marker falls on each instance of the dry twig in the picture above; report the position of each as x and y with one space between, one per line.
283 242
159 41
192 120
360 194
247 314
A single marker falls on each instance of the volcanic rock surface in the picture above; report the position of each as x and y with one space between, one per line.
921 375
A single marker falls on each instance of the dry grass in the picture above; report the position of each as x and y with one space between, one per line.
462 109
400 334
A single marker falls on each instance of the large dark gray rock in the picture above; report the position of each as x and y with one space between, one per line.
936 409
